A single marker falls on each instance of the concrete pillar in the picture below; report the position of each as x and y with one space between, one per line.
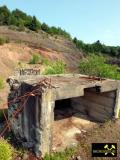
47 119
117 104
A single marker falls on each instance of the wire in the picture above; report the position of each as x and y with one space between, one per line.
25 97
16 112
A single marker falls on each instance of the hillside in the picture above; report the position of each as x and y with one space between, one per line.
22 45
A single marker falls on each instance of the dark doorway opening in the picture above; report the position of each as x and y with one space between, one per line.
63 109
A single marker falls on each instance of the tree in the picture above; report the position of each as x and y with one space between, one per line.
4 15
13 20
45 27
75 40
106 49
97 46
28 21
35 24
21 25
19 14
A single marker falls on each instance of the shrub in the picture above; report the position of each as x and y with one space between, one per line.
57 67
35 59
95 65
6 150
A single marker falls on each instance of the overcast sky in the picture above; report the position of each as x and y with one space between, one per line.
88 20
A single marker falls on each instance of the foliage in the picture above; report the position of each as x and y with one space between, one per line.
4 15
35 24
45 27
57 67
20 19
35 59
65 155
6 150
97 47
58 31
95 65
1 83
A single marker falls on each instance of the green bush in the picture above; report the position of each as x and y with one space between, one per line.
35 59
6 150
95 66
1 83
57 67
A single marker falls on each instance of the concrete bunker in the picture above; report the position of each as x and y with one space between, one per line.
59 108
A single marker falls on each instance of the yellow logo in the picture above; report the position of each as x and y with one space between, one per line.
109 149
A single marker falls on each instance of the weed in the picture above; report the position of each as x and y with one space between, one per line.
57 67
35 59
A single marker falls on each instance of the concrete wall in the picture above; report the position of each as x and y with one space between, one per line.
98 106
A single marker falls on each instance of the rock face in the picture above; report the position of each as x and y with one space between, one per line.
50 112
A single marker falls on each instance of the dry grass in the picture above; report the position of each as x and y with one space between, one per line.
40 39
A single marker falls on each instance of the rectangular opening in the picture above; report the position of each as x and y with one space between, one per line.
63 109
68 124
